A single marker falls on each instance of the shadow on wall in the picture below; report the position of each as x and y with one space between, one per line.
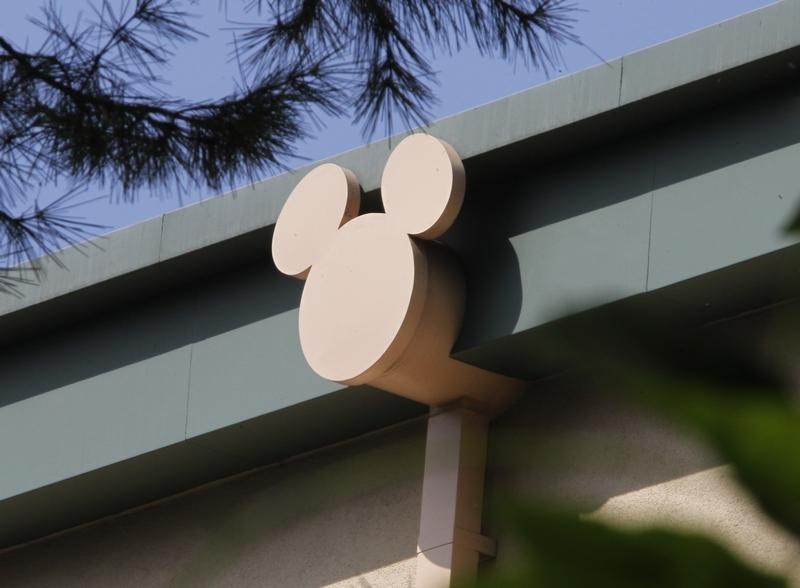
601 447
503 202
334 516
575 439
538 191
564 445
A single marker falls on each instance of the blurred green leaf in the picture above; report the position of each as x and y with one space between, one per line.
794 226
708 380
710 383
561 550
756 431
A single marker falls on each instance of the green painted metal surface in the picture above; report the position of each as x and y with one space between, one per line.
204 376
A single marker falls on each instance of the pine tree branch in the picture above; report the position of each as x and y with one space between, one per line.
382 43
39 231
88 104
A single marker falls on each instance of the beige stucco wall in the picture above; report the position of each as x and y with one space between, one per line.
347 516
623 465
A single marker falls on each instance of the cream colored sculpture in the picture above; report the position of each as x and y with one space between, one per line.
382 303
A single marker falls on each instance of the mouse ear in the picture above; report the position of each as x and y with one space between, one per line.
326 198
423 186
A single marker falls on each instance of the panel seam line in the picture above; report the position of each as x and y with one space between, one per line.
650 228
188 393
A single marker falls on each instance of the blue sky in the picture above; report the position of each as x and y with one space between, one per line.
203 70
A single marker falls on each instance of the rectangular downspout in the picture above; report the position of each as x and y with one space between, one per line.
450 543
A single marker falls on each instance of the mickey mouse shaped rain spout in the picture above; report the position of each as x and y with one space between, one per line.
382 303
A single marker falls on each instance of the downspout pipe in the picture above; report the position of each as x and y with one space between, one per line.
450 543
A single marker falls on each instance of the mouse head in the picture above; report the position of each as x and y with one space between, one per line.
378 299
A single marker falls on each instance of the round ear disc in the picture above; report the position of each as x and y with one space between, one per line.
326 198
423 186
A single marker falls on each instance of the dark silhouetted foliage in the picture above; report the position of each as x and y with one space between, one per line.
709 384
87 105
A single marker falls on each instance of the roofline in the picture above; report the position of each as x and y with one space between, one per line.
541 111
